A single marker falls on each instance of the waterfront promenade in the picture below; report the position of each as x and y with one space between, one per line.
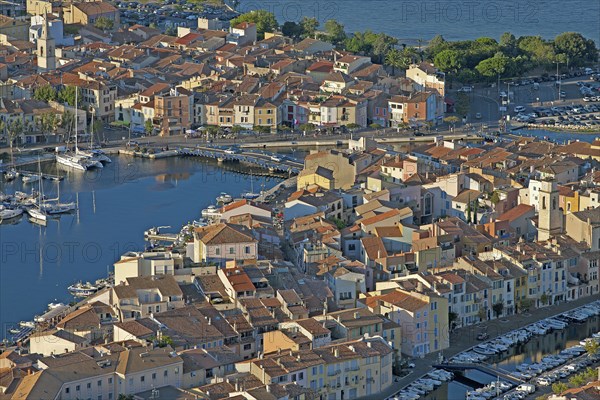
463 338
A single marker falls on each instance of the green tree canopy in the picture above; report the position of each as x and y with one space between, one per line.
449 60
291 29
576 47
68 94
308 25
397 59
45 93
497 65
265 21
335 33
104 23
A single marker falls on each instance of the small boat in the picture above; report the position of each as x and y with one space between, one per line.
31 178
224 198
38 214
14 331
10 175
27 324
250 195
82 289
210 211
8 213
52 306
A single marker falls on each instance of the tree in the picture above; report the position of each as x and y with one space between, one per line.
498 308
397 59
265 21
45 93
536 49
482 314
544 298
463 104
494 66
104 23
48 123
452 120
353 126
576 47
559 387
68 94
171 31
307 127
67 121
335 33
236 129
291 29
148 127
495 197
125 397
381 46
14 129
591 346
452 317
508 44
449 60
308 26
375 126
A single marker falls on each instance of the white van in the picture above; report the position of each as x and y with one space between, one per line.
466 89
526 387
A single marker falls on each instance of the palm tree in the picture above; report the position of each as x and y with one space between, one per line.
395 59
14 130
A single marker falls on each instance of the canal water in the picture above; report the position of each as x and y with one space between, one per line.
116 205
530 352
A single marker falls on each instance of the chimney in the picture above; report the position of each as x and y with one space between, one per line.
356 315
237 386
268 388
336 352
369 344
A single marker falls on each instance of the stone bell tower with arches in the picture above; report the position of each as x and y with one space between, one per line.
550 216
46 58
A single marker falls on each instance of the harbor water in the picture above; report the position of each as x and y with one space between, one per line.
116 205
530 352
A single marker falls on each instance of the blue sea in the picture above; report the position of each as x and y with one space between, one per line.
414 20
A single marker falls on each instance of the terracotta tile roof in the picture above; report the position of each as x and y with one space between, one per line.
224 234
516 212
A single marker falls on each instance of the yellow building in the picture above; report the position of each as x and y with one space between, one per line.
321 177
356 368
89 12
39 7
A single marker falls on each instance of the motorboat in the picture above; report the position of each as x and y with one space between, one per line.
52 306
9 213
224 198
555 324
82 289
31 178
210 212
96 155
14 331
10 175
27 324
485 350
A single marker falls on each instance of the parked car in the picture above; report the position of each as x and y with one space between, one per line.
519 109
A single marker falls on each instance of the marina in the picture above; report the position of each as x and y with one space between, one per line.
81 244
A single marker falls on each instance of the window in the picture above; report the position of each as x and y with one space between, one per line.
247 249
142 378
99 383
109 381
77 388
166 373
232 250
247 346
67 390
217 251
89 385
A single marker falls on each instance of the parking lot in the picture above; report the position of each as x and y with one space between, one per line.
168 13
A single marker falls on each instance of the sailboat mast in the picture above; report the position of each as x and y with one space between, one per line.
76 148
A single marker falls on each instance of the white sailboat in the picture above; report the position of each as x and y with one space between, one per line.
37 212
54 206
77 161
251 195
95 154
31 178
